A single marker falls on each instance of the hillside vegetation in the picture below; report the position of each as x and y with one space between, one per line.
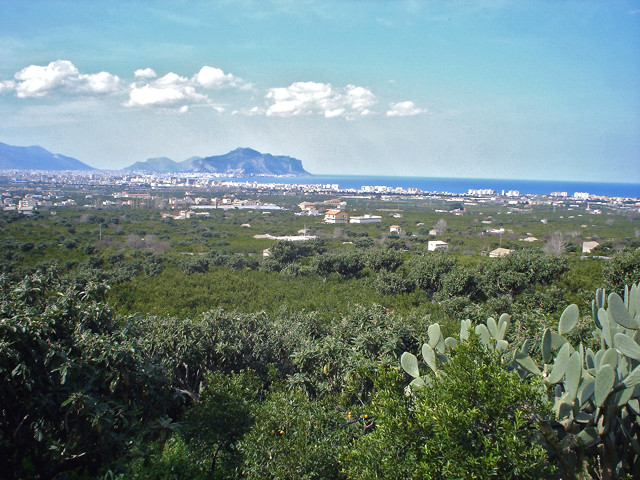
137 347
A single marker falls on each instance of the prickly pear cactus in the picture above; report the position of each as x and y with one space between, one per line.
435 351
596 395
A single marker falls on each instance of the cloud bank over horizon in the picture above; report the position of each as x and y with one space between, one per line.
61 79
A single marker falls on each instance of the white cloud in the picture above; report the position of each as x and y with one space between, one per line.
312 98
63 76
249 112
175 91
211 77
148 95
170 90
7 85
404 109
37 81
102 82
145 73
147 90
179 93
171 80
360 98
170 95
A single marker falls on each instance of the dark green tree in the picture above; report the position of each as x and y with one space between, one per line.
293 437
521 270
77 385
623 270
219 418
427 271
346 263
378 259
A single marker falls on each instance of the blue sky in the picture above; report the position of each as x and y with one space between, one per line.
489 88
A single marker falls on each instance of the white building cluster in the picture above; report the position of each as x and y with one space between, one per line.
481 191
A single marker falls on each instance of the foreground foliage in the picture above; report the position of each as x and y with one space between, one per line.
595 394
76 384
226 394
475 420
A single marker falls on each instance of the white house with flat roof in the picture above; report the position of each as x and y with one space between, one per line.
366 219
437 245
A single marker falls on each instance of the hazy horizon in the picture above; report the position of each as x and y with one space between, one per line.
489 89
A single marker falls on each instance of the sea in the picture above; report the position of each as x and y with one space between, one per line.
460 185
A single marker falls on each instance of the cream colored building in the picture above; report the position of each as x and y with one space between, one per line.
500 252
335 216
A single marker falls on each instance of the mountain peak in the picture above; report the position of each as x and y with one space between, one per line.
246 150
35 157
241 161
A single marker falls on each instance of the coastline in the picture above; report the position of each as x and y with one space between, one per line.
453 184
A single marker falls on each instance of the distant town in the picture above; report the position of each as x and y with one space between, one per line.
27 191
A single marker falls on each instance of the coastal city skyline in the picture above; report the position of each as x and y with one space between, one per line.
490 89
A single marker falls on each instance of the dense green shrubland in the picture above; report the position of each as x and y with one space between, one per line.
205 360
227 394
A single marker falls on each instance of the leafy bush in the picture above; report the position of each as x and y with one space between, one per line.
475 420
125 271
70 243
379 259
293 437
427 271
26 246
623 270
171 460
346 263
391 283
459 281
95 261
365 242
193 265
522 269
153 265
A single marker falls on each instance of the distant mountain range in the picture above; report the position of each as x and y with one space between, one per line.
241 161
162 165
36 158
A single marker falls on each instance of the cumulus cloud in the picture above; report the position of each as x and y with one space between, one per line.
179 93
102 82
312 98
175 91
148 95
145 73
7 85
404 109
211 77
146 90
170 90
60 76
